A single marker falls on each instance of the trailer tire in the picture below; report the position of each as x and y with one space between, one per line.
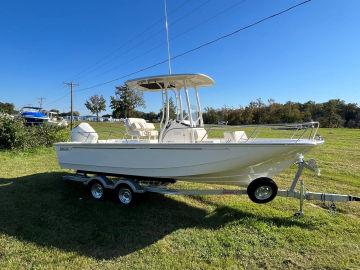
124 195
262 190
96 190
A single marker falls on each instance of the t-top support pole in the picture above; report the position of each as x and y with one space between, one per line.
188 103
180 109
199 107
162 127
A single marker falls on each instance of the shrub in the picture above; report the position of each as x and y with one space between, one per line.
48 134
14 134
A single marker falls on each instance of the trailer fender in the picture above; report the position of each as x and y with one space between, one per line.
102 179
135 187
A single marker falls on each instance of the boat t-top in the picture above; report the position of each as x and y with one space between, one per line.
182 149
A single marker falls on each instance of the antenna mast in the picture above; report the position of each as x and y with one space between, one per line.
167 36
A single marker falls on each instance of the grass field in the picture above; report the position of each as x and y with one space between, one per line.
47 224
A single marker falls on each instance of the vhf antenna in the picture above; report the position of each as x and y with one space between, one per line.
167 36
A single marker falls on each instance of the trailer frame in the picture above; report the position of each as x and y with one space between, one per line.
138 186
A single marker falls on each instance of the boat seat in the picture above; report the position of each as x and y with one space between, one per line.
138 127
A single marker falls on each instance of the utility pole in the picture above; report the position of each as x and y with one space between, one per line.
41 100
71 85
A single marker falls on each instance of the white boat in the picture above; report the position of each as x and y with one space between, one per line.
56 120
181 150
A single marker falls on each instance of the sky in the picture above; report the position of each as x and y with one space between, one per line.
309 53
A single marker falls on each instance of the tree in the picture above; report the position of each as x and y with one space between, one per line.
152 117
126 101
332 113
96 104
273 112
55 111
75 113
6 107
211 115
172 109
352 115
291 113
258 108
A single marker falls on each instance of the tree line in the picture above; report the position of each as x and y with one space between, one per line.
127 102
333 113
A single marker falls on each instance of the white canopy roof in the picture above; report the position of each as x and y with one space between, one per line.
174 81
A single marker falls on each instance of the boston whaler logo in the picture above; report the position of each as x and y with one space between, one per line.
65 148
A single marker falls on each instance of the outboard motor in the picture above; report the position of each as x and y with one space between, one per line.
84 133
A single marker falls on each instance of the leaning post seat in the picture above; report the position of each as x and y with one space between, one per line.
137 127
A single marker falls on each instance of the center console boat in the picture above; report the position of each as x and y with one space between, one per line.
182 149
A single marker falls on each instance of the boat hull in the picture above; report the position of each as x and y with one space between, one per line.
221 163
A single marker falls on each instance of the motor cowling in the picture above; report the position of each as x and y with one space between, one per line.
84 133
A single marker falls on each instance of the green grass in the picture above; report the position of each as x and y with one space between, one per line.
47 224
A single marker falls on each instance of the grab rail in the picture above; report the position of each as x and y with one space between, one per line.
299 131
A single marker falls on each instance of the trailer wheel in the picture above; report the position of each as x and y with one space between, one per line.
262 190
124 195
97 190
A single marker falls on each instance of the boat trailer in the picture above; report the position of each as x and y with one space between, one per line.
126 188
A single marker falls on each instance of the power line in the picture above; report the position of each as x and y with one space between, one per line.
231 7
201 46
113 52
161 44
58 99
191 12
143 41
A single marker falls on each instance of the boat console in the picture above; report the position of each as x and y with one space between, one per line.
178 132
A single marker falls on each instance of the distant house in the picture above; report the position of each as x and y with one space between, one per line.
76 118
92 118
